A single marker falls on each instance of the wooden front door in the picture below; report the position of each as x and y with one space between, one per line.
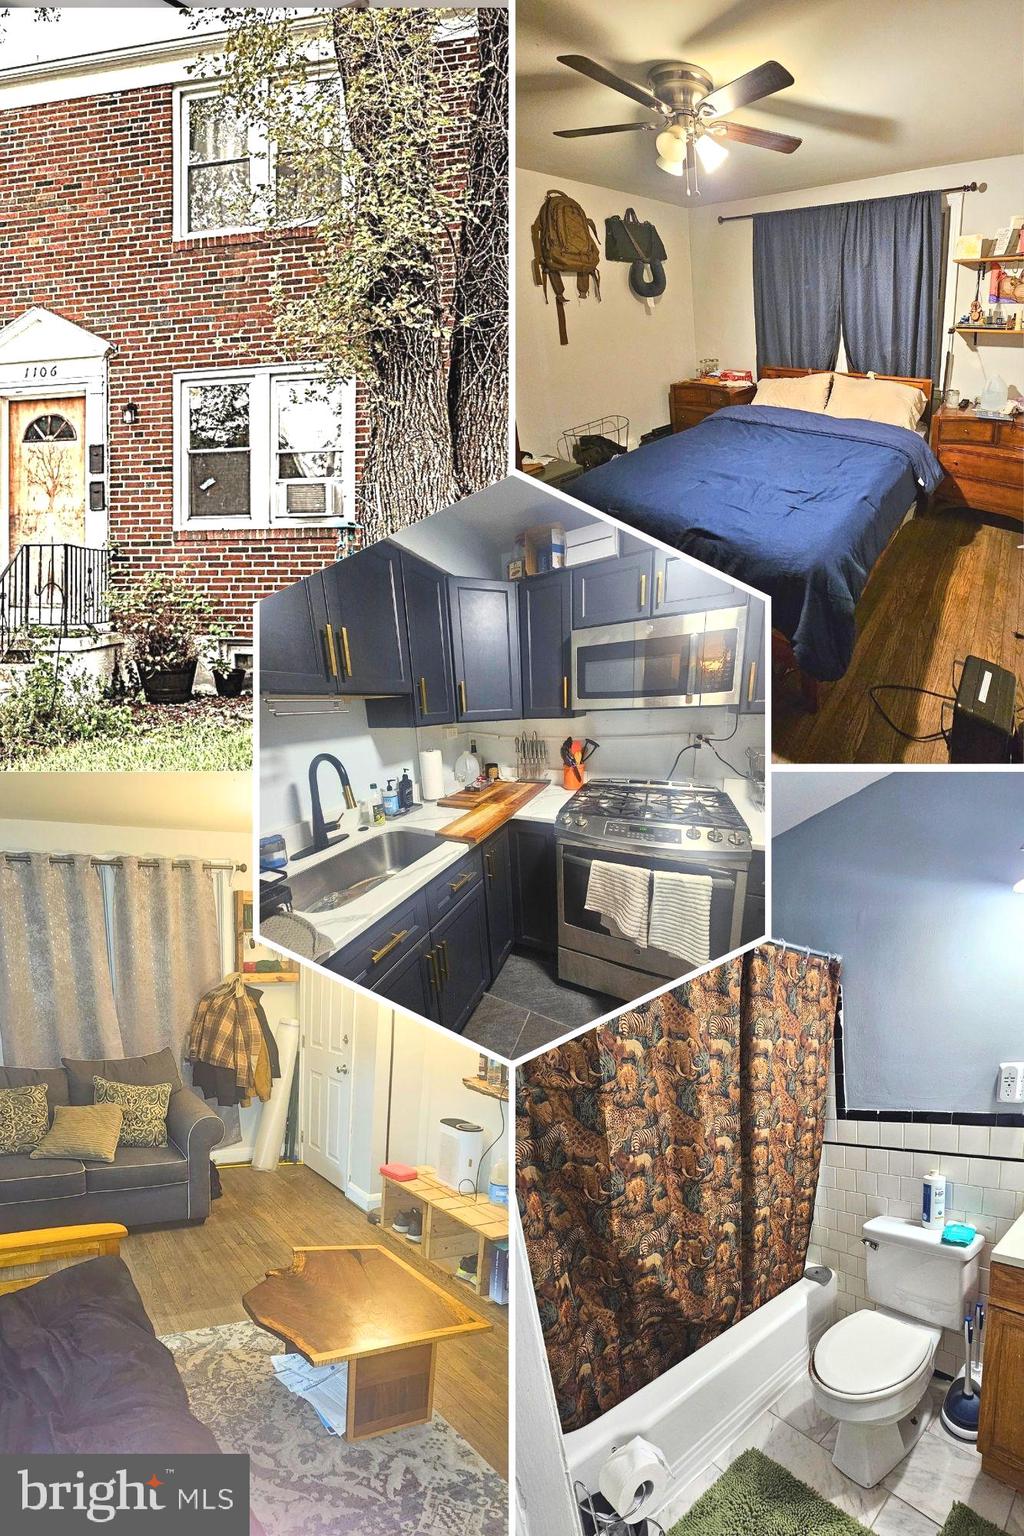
47 471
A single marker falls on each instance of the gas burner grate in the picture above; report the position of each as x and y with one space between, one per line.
637 800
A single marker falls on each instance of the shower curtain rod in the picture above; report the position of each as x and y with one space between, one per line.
822 954
734 218
118 863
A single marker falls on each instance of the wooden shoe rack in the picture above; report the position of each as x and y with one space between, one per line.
453 1225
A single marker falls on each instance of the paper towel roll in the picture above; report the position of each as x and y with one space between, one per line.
267 1150
634 1479
431 774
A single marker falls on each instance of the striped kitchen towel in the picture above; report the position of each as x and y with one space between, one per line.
621 894
681 915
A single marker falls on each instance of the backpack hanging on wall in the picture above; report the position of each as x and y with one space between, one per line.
638 242
564 240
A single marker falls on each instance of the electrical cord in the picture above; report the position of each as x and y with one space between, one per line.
940 735
500 1136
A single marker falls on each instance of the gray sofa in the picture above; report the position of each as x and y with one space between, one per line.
143 1185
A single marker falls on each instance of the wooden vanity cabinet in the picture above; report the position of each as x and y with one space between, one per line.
1001 1431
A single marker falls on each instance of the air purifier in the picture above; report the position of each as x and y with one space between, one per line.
458 1162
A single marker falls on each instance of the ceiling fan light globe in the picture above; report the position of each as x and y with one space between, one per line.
712 153
673 167
670 147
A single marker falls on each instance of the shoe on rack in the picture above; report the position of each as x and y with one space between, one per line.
415 1232
467 1268
401 1222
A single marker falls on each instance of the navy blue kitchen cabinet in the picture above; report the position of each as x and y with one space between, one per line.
432 701
498 898
484 619
680 587
459 946
410 984
370 958
545 642
752 695
298 654
534 885
366 607
613 591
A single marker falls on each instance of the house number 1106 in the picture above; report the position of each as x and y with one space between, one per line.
41 371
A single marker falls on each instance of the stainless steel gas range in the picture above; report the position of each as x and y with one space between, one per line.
655 825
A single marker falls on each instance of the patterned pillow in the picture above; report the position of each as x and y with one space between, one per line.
145 1110
24 1118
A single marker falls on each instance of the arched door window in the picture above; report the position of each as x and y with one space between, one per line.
50 429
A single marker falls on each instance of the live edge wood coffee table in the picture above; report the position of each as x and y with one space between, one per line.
364 1305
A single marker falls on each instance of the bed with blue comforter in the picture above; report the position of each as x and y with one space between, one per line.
797 504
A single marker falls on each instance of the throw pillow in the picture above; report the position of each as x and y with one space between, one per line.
144 1107
24 1118
900 405
157 1067
806 393
86 1132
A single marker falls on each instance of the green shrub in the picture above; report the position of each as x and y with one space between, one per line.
54 705
160 620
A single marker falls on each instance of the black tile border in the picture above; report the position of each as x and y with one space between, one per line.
1012 1119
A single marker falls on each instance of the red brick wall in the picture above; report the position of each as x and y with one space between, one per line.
86 230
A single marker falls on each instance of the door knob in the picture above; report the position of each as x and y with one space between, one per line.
341 1069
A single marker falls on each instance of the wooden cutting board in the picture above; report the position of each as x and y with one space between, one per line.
463 799
480 823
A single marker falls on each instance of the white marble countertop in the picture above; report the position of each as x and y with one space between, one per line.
738 791
1010 1250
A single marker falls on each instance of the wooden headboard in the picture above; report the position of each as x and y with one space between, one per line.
924 385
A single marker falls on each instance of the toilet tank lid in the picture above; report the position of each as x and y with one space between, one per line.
910 1234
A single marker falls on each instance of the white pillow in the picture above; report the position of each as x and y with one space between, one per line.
900 405
807 393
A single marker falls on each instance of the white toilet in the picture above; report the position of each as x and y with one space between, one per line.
872 1369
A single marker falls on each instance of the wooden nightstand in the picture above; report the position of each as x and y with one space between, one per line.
983 460
690 400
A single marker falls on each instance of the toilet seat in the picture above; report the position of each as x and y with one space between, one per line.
869 1355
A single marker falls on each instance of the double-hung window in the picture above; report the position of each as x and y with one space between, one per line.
263 447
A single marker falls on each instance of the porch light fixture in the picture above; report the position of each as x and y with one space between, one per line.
130 414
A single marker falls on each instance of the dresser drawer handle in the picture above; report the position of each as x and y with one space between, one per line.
377 955
456 885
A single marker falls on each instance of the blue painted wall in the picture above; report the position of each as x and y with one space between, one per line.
910 880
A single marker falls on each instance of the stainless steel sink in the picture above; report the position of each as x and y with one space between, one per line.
357 868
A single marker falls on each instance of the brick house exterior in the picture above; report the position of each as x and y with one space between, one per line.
104 293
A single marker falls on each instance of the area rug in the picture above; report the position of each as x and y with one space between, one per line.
757 1497
424 1481
962 1521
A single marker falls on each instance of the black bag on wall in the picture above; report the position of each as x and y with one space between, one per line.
637 241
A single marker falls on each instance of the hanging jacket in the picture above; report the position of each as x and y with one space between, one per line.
227 1045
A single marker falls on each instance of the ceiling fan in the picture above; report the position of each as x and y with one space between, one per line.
692 114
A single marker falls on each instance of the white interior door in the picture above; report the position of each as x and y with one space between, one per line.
327 1025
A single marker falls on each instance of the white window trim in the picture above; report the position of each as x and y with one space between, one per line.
262 451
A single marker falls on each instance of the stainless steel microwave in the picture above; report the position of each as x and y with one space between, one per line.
695 659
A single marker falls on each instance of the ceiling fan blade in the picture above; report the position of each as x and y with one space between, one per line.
763 138
640 93
585 133
762 81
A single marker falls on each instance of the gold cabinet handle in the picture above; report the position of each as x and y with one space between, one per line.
332 655
659 587
443 947
343 632
423 694
456 885
377 955
435 975
643 588
487 866
462 697
751 679
565 693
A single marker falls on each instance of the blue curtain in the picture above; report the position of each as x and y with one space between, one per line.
892 253
797 257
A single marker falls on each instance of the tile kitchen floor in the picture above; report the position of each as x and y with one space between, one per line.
913 1500
528 1007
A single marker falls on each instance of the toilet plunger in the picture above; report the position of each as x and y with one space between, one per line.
961 1406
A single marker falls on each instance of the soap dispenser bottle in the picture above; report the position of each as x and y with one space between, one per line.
405 791
390 799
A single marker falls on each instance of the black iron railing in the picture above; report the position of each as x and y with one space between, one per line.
55 587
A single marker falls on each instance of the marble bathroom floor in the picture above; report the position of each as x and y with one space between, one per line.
913 1500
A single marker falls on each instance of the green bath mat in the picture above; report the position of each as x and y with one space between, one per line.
757 1497
962 1521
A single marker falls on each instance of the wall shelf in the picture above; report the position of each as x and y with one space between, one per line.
979 263
985 330
489 1090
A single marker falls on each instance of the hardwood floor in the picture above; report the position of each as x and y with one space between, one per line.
949 585
194 1277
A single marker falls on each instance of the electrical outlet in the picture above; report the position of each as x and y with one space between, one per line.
1011 1082
450 732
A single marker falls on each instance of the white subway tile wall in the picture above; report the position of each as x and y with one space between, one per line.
876 1168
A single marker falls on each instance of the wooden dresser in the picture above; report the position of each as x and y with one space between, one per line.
690 400
983 460
1001 1431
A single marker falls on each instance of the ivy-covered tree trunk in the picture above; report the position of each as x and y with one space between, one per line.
409 468
478 399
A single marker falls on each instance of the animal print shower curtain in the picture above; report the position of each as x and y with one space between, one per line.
666 1170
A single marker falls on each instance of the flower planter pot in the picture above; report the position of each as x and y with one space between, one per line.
169 687
229 684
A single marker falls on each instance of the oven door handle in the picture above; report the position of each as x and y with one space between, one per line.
721 877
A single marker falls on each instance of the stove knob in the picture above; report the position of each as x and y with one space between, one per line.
581 821
714 836
693 833
736 838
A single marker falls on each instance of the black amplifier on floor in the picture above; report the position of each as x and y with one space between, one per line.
983 714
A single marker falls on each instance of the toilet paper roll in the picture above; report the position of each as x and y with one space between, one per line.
634 1479
431 774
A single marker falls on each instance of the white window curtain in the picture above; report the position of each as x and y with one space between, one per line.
56 997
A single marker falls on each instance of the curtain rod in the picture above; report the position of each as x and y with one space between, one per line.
821 954
118 863
734 218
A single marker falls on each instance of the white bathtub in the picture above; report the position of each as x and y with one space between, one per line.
705 1402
